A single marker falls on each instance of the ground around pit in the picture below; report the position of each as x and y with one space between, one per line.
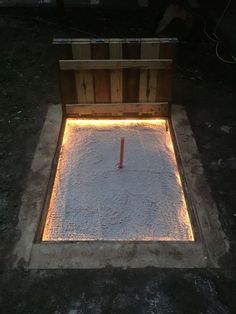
28 85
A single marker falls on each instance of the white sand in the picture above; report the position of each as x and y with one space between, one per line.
93 199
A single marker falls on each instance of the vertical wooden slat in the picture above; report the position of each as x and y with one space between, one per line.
148 78
66 78
167 50
84 79
131 76
116 75
164 85
101 77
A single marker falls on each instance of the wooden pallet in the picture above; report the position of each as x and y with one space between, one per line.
115 77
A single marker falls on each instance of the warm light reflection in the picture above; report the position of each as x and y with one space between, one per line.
112 122
103 123
182 212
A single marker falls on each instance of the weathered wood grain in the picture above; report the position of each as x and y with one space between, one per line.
66 78
84 79
115 64
131 76
101 76
119 109
116 75
148 78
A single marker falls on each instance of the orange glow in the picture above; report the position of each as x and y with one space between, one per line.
183 212
112 122
70 123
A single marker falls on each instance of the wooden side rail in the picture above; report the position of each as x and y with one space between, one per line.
144 64
119 109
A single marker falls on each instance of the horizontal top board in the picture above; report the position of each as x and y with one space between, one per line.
63 41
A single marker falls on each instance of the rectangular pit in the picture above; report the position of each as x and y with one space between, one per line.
79 210
205 249
92 199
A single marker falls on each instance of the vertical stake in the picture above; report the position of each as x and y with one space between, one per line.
122 144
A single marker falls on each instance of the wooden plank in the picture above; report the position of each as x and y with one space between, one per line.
66 78
84 79
164 85
131 88
167 50
148 78
119 109
69 41
131 65
116 75
131 76
101 77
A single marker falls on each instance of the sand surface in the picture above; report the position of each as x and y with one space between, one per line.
93 199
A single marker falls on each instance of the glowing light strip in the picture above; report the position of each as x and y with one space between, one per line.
70 122
109 122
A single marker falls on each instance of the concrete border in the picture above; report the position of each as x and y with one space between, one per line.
210 244
203 205
34 195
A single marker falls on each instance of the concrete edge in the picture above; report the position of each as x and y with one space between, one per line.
117 254
205 210
36 188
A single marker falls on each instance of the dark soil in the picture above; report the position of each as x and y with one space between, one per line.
28 85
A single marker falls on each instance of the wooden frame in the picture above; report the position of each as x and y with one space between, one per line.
118 109
207 250
115 64
123 76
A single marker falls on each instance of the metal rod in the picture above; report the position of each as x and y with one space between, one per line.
122 144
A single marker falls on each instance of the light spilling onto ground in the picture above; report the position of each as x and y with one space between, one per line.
93 199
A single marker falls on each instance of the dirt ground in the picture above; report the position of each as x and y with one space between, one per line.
28 85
